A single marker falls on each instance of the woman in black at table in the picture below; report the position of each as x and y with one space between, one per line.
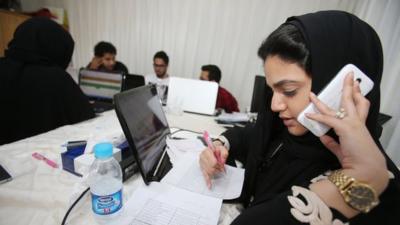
36 92
292 176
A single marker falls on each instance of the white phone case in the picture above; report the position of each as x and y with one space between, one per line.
331 95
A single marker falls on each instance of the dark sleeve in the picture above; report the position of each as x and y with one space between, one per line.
239 138
297 206
48 98
228 102
232 104
74 102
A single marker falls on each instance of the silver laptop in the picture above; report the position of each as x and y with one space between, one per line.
192 95
100 87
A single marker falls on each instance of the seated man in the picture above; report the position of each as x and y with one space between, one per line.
225 100
104 59
160 77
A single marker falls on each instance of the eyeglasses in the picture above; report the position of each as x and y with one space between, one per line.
159 65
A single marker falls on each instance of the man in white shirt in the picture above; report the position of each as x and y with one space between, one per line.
160 76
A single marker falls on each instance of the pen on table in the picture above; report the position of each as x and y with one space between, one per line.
217 154
48 161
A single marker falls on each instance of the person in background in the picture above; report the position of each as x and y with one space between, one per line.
37 94
225 100
105 59
291 175
160 77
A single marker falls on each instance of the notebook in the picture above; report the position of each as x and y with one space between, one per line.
100 87
196 96
145 126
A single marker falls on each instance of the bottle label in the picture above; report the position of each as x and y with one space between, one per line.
107 204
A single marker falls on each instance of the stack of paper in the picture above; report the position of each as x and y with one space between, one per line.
234 117
176 149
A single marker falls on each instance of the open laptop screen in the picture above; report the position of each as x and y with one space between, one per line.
144 123
133 81
192 95
99 84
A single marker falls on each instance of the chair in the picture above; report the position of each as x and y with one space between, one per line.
258 92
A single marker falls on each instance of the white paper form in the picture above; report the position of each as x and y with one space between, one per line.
177 148
234 117
162 204
187 174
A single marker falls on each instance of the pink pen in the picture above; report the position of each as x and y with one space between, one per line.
48 161
217 154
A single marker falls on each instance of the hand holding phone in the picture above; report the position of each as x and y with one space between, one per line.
331 95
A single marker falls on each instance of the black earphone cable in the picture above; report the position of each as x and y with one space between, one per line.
73 205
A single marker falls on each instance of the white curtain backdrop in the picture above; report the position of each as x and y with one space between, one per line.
222 32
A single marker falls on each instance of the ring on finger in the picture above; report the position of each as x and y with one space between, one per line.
340 114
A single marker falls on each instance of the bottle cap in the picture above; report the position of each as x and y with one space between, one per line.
103 150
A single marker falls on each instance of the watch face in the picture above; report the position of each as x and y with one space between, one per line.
361 197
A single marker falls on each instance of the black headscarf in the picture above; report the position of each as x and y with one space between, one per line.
36 93
334 39
41 41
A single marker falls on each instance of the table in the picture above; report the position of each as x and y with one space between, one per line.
39 194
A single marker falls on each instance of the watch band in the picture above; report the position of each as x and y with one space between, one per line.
356 194
341 180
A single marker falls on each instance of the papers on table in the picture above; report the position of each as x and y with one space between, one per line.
234 117
182 196
183 134
178 148
186 174
162 204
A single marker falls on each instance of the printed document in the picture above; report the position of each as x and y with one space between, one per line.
163 204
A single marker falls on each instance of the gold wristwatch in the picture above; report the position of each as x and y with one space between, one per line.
358 195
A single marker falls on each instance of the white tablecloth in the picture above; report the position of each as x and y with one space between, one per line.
39 194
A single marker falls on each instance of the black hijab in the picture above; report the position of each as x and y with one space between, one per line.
36 93
334 39
41 41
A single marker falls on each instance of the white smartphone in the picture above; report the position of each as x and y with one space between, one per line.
331 95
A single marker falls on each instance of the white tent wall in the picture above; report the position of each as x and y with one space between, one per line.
222 32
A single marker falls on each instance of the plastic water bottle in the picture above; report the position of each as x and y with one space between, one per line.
105 180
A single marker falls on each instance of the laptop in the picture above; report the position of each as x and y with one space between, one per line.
132 81
145 126
195 96
100 87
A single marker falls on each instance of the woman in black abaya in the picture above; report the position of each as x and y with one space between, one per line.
36 92
286 166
